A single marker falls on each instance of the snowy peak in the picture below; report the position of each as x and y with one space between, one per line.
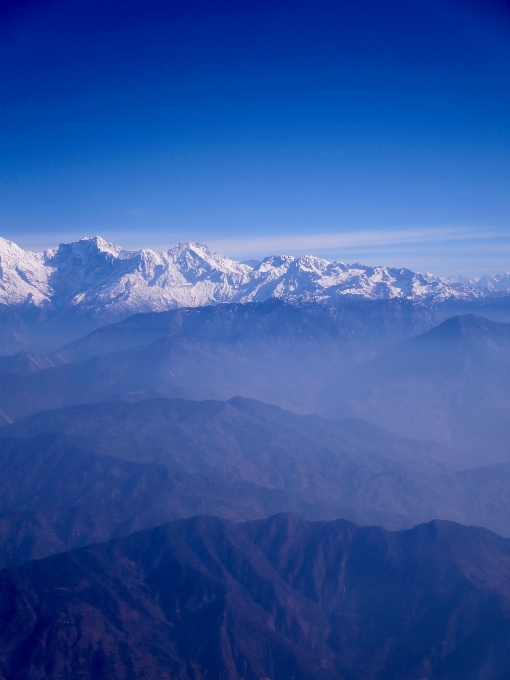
23 276
197 258
106 280
86 250
497 283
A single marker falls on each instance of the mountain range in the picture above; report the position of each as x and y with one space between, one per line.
49 299
97 471
272 350
374 397
376 360
101 277
449 384
205 598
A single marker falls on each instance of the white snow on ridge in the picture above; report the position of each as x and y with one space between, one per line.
497 283
103 278
23 276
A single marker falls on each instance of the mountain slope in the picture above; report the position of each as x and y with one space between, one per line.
323 469
278 598
57 494
450 384
275 351
235 439
359 326
287 372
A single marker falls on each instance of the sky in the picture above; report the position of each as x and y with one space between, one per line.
370 130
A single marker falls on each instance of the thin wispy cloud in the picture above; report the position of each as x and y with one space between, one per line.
301 243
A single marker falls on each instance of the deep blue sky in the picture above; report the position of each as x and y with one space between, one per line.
364 130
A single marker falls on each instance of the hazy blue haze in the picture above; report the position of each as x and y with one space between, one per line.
237 122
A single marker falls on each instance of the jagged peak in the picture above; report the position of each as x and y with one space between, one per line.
86 245
102 275
192 251
190 247
8 246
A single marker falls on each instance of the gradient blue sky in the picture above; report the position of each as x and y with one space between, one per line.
365 130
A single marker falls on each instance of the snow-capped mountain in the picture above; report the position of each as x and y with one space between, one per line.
100 277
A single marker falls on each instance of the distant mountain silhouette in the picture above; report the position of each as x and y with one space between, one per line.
353 323
233 438
450 384
275 351
239 459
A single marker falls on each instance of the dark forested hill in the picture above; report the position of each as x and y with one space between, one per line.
277 598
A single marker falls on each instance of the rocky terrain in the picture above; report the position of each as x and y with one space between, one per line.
277 598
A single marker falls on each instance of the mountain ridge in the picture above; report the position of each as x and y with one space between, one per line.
324 469
276 598
100 277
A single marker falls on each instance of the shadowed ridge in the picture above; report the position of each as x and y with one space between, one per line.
57 494
320 468
27 362
466 326
278 598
